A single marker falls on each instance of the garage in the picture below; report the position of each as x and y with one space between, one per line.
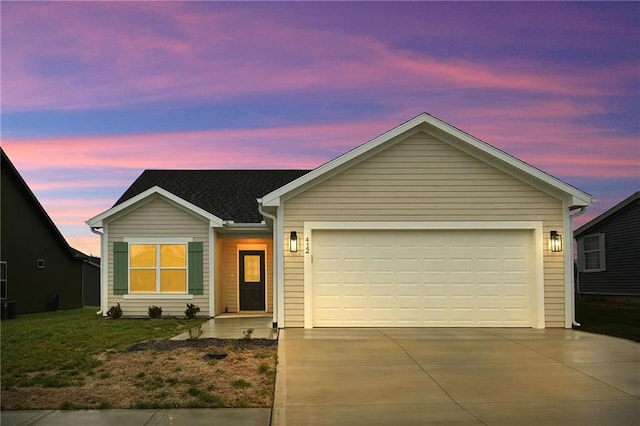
423 278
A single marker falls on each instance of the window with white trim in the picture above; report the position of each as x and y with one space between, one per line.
158 268
3 280
591 250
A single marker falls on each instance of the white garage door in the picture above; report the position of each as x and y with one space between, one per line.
449 278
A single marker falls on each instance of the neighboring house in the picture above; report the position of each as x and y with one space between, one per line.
609 251
423 226
90 278
39 271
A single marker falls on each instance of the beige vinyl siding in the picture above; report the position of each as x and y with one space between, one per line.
422 179
228 255
159 218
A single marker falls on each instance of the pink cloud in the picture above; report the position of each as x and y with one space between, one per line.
279 147
188 52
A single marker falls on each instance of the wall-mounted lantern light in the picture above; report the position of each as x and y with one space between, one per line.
293 242
555 241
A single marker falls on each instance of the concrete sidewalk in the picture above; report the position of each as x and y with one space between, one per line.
187 417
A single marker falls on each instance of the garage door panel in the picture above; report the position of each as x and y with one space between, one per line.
422 278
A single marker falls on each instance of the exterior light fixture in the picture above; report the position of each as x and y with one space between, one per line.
555 241
293 242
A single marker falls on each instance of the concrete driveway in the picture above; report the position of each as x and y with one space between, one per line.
455 376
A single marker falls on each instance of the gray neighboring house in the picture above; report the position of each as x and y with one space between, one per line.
609 252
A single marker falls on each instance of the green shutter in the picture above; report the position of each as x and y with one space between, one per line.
195 268
120 268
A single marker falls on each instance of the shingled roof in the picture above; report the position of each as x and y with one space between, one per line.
227 194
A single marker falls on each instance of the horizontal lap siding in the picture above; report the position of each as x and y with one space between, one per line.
159 219
422 179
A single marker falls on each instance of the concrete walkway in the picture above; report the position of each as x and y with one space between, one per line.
455 377
233 327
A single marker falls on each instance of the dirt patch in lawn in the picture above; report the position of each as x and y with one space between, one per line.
165 374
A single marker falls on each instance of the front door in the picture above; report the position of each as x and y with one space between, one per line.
252 280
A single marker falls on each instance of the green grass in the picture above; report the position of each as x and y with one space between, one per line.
54 349
617 319
240 384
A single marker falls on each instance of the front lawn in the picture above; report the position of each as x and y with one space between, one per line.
77 359
617 319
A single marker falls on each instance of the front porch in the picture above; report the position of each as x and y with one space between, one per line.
243 279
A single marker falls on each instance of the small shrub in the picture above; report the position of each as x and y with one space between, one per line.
115 312
192 310
155 311
264 368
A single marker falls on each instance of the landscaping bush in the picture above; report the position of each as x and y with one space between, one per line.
191 311
115 312
155 311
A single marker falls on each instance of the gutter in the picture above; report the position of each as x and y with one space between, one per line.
276 272
95 231
573 275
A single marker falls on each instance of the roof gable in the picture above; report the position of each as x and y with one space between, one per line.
217 195
612 212
147 195
449 134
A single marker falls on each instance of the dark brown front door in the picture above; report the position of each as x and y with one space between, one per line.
252 280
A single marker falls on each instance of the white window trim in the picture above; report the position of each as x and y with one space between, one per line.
157 242
602 265
149 296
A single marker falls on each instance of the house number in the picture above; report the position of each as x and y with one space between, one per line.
306 245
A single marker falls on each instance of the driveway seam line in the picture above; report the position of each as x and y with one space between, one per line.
432 378
518 342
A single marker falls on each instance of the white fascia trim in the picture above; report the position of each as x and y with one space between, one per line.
156 190
161 296
579 198
537 227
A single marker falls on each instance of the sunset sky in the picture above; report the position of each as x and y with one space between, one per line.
93 93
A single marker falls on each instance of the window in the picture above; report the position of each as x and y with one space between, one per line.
3 280
591 251
158 268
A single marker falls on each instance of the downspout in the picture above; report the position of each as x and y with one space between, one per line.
276 272
573 274
95 231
